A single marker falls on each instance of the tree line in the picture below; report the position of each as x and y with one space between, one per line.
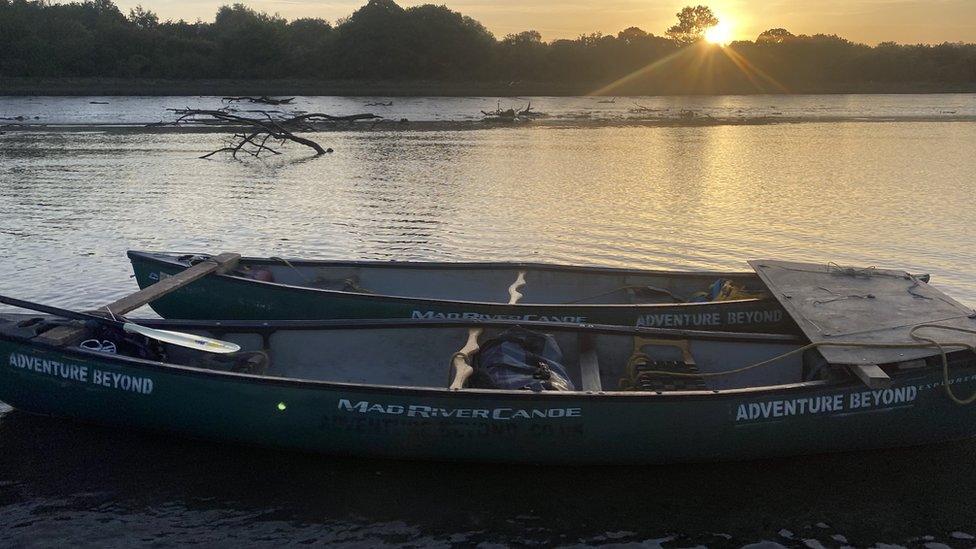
384 41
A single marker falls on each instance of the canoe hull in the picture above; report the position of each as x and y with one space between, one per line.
229 297
411 423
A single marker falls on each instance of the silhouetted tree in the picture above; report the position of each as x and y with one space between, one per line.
632 35
142 18
248 42
522 55
382 40
774 36
309 43
443 43
692 24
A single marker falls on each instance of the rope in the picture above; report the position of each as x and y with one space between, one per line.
294 268
831 267
102 346
945 358
866 272
636 287
925 342
351 284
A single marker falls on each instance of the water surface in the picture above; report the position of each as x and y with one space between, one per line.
142 110
886 193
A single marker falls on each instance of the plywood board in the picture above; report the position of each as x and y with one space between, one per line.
835 304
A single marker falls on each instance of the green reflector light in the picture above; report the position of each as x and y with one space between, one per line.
281 406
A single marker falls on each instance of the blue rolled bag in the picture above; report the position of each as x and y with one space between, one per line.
520 359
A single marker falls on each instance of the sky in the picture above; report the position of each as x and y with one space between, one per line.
868 21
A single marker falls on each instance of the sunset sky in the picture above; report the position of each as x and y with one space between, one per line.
870 21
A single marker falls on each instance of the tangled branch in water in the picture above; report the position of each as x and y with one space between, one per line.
256 132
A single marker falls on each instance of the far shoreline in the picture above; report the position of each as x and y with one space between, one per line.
25 87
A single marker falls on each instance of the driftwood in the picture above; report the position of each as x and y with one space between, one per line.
264 100
688 114
638 108
512 115
257 132
379 104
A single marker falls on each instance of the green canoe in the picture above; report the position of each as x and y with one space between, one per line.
383 388
278 289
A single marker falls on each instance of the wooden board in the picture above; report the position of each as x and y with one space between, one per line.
217 264
589 366
64 335
871 375
864 306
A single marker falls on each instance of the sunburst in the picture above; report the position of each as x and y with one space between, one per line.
720 34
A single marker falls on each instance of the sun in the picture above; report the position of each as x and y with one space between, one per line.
720 34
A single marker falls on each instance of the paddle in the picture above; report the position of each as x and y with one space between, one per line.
189 341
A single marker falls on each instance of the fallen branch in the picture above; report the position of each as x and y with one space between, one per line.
256 132
264 100
638 108
512 115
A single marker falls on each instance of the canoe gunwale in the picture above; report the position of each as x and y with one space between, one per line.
353 324
507 265
145 256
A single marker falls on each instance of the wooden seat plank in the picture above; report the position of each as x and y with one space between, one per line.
589 366
871 375
217 264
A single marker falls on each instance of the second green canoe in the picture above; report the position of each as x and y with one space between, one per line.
279 289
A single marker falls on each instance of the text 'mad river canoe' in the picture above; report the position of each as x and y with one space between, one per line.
280 289
884 360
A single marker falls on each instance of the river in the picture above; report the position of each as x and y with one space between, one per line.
858 180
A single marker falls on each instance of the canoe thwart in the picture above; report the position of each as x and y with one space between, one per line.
461 368
217 264
871 375
589 365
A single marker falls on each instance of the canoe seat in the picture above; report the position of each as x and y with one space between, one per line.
514 295
642 369
461 368
589 366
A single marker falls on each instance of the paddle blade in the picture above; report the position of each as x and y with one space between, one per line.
189 341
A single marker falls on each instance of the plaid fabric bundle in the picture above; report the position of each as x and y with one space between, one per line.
521 359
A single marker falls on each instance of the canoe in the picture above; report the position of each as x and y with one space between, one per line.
884 360
382 388
278 289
